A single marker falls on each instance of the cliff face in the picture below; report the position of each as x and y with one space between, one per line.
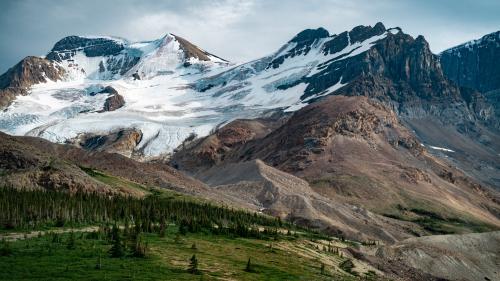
475 63
403 73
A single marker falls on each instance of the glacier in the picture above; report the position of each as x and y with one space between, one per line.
177 96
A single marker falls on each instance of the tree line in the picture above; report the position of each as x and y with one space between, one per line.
25 209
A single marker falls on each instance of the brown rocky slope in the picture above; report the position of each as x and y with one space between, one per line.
356 151
35 163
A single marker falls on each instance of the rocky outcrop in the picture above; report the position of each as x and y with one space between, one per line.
108 90
28 72
400 71
192 51
475 63
114 101
92 47
123 142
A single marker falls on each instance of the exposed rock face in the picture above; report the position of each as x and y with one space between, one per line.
92 47
109 90
28 72
114 101
353 150
116 61
192 51
400 71
475 63
304 42
385 64
122 142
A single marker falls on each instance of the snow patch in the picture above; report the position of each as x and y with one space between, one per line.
441 148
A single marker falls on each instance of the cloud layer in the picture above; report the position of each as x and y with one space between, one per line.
238 30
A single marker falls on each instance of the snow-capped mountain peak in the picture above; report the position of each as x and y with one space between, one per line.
172 89
105 57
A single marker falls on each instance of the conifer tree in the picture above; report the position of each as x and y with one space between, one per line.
193 265
249 267
116 250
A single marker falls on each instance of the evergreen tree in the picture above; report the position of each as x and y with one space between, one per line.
193 247
116 250
47 208
193 265
249 267
322 269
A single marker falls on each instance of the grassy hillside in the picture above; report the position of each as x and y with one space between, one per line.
220 257
49 235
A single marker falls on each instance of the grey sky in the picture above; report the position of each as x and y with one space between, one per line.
238 30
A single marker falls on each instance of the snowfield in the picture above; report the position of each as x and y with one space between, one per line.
175 98
163 108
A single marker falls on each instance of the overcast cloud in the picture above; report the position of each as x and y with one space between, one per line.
238 30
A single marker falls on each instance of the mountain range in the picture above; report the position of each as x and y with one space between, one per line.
366 133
